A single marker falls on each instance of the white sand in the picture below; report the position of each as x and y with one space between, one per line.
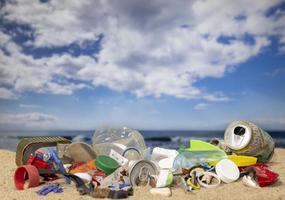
226 191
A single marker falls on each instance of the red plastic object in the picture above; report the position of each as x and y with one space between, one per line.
75 165
24 171
98 176
264 175
38 162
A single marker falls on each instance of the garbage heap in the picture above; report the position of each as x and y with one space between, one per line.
119 160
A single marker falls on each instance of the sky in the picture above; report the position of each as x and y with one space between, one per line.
150 64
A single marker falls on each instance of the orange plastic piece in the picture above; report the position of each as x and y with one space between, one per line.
88 166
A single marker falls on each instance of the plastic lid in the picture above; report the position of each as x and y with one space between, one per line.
106 164
227 171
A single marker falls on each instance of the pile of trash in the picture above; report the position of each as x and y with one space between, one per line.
119 160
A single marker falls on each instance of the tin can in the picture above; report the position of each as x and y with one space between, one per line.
245 138
141 171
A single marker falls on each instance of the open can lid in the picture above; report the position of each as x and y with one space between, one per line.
238 135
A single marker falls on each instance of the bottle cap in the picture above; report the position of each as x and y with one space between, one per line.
227 171
106 164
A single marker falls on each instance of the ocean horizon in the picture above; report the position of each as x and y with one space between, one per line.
162 138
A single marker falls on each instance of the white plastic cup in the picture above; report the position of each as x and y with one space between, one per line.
164 178
160 153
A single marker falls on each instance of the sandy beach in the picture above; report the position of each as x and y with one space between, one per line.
226 191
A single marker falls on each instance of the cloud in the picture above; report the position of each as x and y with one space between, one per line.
29 106
200 106
49 74
149 48
6 94
27 120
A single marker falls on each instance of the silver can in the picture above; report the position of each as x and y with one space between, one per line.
141 172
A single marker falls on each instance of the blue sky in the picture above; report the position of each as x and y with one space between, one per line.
147 65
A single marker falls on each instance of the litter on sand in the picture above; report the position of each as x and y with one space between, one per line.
118 160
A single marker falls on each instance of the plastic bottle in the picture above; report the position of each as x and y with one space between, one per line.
125 141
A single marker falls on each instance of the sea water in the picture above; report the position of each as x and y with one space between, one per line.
153 138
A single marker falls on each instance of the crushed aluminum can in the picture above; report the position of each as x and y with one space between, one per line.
245 138
141 171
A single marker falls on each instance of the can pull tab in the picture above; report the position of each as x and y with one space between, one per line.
144 174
